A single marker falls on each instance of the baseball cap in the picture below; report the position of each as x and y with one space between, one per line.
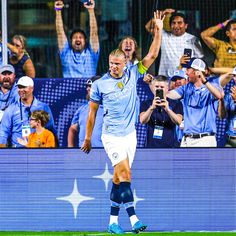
234 71
25 81
197 64
179 74
91 80
7 67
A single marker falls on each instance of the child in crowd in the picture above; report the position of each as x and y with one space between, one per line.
41 138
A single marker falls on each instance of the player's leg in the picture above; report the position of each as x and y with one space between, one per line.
122 170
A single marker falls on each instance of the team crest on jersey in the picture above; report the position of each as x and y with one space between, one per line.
115 155
120 85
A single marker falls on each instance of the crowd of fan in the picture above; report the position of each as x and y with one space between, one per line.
187 95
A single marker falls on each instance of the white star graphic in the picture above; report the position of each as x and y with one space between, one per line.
106 176
136 199
75 198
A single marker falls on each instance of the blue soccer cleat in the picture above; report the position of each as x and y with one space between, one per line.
115 229
138 226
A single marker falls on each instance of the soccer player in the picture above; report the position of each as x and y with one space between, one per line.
116 90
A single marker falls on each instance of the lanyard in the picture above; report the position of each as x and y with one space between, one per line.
28 108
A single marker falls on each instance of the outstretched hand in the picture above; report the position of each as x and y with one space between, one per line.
86 146
91 5
58 5
158 19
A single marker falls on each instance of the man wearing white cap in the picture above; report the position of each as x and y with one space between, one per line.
15 121
8 90
200 99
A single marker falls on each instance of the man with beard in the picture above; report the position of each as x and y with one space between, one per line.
78 58
175 41
16 118
8 91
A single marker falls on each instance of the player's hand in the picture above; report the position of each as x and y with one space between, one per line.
58 5
91 5
86 146
158 19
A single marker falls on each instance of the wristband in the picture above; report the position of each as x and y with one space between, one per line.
221 25
205 82
57 9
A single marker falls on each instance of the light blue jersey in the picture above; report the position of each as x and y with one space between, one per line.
200 108
16 116
8 98
78 65
80 119
231 115
119 100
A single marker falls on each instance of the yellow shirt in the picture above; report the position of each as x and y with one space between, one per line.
43 140
225 54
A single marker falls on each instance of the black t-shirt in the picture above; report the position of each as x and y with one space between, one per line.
159 117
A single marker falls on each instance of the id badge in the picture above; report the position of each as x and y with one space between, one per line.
158 132
1 115
25 131
234 124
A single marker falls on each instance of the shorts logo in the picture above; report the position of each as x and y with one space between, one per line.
115 155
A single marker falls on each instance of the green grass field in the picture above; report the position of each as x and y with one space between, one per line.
106 234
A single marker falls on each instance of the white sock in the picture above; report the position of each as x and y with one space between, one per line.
113 219
133 219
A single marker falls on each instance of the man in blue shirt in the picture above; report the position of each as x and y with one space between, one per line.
78 124
200 102
8 90
161 114
78 57
227 109
117 92
15 121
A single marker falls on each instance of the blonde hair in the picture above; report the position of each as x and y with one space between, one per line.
118 53
136 53
22 39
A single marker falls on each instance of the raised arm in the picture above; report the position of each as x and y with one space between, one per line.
61 36
29 68
207 35
94 41
166 22
156 43
213 90
93 107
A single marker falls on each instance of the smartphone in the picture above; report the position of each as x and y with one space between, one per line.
159 93
233 15
86 1
188 52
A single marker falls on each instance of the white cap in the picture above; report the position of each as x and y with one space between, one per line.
234 71
7 67
25 81
197 64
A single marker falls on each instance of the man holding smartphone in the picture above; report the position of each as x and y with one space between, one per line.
161 116
78 57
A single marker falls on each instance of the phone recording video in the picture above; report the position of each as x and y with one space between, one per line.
159 93
86 1
188 52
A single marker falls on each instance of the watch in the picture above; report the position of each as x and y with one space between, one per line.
205 81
